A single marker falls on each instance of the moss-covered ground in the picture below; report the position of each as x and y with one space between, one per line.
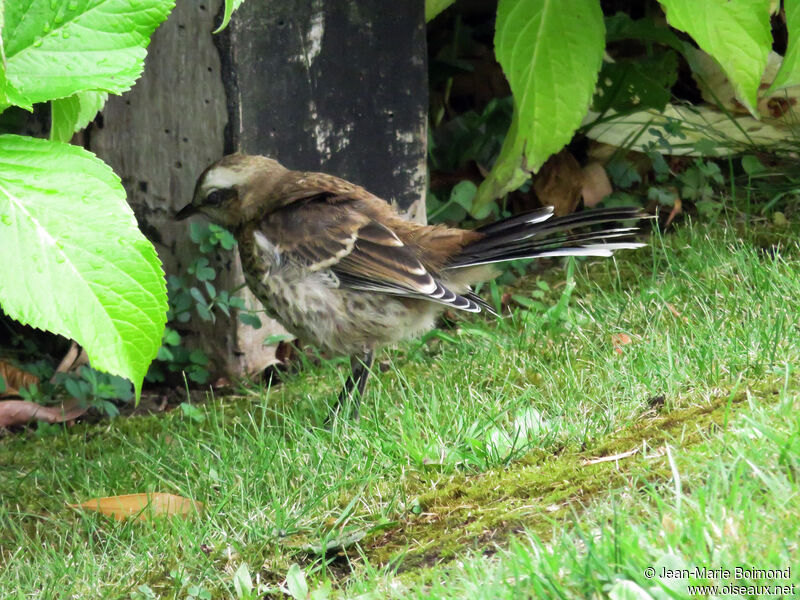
633 413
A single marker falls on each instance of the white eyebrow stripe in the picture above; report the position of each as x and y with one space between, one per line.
220 178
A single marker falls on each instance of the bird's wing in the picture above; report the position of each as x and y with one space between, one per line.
363 253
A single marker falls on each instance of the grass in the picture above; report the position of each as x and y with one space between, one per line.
474 470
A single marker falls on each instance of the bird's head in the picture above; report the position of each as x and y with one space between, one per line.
232 190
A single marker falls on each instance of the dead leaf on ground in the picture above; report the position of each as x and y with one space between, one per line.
558 183
596 185
675 313
677 208
731 134
74 358
19 412
15 378
619 340
142 506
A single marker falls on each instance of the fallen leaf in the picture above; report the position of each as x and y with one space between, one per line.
619 340
15 378
142 506
68 362
717 90
19 412
558 183
730 133
596 184
675 313
677 208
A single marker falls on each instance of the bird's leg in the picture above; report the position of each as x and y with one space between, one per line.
356 383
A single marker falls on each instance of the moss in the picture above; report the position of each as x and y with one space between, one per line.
469 512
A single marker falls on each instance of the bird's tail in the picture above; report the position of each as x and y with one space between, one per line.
539 234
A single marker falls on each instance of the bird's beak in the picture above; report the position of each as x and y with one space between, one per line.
186 212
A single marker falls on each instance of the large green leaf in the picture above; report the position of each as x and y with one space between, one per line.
735 32
72 259
789 73
72 114
55 48
550 51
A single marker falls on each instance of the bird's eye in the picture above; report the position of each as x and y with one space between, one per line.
214 198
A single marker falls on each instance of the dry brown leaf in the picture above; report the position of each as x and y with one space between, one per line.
619 340
731 135
675 313
596 185
19 412
677 208
15 378
70 358
142 506
558 183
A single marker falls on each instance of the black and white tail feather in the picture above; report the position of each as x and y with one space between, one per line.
539 234
535 234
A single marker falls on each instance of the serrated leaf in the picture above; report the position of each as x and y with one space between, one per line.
72 259
230 6
735 32
91 103
56 48
789 73
434 7
552 87
63 116
11 96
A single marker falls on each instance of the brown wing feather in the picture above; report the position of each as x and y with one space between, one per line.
380 257
364 253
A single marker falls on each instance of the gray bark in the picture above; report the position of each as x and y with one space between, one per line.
339 87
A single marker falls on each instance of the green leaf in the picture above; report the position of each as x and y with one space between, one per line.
72 259
63 116
636 84
551 52
56 48
73 113
789 73
752 166
622 173
91 103
230 6
735 32
463 193
242 582
250 319
276 338
621 27
434 7
296 584
171 337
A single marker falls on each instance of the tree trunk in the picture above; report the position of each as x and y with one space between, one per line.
337 86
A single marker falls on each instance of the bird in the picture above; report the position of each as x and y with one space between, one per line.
342 270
